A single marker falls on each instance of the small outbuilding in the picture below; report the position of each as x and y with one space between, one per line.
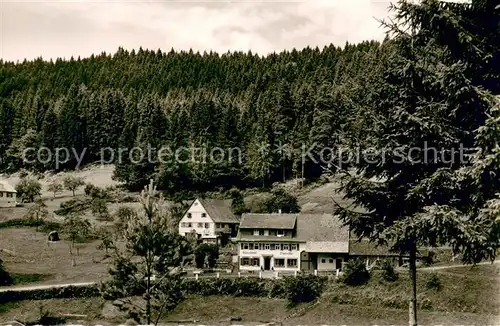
7 194
54 236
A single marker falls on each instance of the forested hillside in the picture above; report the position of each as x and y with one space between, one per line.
235 100
296 102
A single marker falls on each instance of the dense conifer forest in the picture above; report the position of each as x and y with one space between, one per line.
191 100
295 102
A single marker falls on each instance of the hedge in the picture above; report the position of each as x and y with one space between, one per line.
20 222
43 225
54 293
294 289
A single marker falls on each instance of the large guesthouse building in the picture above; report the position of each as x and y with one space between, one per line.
291 242
281 242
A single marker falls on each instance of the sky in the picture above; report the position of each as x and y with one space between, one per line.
57 28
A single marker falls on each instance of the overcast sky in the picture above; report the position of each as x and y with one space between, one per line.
55 28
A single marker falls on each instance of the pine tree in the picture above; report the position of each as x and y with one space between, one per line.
427 109
150 235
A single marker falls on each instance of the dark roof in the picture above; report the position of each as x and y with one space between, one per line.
321 227
322 233
219 210
365 247
268 221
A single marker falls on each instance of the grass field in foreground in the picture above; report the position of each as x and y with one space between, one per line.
217 310
466 296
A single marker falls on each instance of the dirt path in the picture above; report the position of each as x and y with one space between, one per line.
455 266
44 287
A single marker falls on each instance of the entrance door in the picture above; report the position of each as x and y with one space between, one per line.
267 263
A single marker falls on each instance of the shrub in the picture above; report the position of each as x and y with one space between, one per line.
5 278
73 206
89 189
47 294
248 287
100 209
433 282
389 274
238 204
355 272
425 304
429 259
49 226
282 200
97 193
302 288
47 318
23 173
206 252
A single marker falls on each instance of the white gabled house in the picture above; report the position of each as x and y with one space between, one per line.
7 194
211 219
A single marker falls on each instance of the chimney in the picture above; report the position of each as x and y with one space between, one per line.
279 211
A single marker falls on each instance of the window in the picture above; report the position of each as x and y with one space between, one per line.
291 263
206 226
331 261
200 225
250 246
266 232
245 261
285 246
255 261
279 263
217 225
267 246
183 224
261 232
273 246
203 214
189 225
255 232
244 246
189 215
1 194
280 233
323 261
9 194
293 246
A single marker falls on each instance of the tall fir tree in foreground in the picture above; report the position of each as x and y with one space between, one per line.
427 109
146 265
